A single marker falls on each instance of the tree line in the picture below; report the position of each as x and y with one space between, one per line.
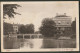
22 29
26 29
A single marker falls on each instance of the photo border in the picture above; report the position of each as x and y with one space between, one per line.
40 50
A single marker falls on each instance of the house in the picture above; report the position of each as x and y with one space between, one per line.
63 22
16 27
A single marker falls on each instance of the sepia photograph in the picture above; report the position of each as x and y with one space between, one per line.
39 26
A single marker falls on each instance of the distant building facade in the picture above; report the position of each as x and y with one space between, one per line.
16 27
63 22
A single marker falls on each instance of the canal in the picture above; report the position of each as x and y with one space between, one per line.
26 43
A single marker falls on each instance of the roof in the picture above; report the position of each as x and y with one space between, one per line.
62 16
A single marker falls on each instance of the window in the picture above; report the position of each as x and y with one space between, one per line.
59 22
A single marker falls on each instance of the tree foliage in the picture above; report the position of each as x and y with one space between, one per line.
67 32
48 27
7 28
27 29
74 26
30 28
22 29
8 9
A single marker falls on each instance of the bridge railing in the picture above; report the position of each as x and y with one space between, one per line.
25 36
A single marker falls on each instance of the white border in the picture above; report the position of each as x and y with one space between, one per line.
40 50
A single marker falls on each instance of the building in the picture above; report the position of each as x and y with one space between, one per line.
16 27
63 22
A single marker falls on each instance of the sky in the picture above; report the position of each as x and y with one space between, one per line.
35 12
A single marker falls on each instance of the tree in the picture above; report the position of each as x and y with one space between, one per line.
74 26
7 28
8 9
37 32
67 32
48 27
22 29
30 28
27 29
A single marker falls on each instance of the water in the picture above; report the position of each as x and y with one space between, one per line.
32 43
15 43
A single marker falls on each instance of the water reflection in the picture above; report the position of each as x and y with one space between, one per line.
31 43
28 42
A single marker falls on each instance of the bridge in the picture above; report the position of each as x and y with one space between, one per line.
24 36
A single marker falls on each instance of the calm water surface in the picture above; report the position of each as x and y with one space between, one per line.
14 43
31 43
